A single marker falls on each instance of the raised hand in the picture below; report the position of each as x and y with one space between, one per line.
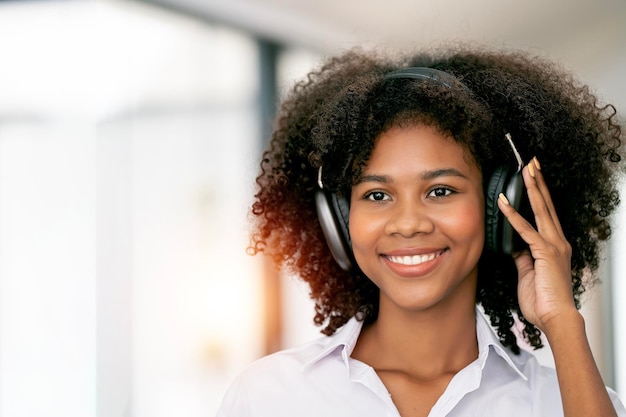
544 285
546 299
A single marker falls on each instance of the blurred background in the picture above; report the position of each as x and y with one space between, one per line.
129 138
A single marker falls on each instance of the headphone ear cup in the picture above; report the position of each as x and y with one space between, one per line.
500 237
333 213
515 193
493 217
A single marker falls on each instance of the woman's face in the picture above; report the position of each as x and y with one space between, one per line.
417 219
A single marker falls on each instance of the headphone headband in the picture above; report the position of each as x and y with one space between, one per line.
424 73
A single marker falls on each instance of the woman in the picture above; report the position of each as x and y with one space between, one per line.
410 166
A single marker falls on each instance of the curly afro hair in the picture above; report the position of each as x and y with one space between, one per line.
334 116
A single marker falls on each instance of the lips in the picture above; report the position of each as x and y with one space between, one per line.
413 263
413 260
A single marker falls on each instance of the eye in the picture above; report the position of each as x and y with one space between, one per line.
376 196
440 192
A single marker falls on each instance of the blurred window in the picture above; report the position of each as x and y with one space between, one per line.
128 148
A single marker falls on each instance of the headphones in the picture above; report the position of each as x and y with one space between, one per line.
333 211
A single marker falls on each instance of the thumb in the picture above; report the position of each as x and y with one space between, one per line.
524 263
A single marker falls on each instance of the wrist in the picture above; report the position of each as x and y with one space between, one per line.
570 323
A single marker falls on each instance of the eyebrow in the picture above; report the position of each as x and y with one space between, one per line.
446 172
428 175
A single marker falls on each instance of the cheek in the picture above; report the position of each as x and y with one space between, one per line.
468 222
363 228
365 233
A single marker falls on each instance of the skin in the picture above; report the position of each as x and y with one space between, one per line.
544 292
425 331
420 195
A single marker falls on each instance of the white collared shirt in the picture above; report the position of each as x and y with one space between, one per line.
321 379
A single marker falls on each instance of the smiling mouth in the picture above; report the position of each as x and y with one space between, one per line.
414 259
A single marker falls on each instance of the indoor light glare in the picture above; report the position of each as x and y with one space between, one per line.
94 59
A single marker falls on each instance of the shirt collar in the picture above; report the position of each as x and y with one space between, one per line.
344 338
347 336
488 342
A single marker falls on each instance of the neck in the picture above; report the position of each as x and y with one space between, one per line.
426 344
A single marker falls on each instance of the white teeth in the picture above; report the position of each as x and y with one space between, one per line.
413 260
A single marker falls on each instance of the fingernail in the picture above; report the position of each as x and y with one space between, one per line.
537 164
503 198
531 169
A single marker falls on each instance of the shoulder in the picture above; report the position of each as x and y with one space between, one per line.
285 364
263 382
289 361
541 386
294 361
282 382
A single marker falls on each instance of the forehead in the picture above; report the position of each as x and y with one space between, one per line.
418 146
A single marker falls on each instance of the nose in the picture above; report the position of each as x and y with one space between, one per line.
409 218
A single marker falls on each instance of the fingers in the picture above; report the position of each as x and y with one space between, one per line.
524 263
544 271
548 226
518 222
537 179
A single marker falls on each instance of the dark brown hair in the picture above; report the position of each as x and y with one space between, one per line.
334 117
